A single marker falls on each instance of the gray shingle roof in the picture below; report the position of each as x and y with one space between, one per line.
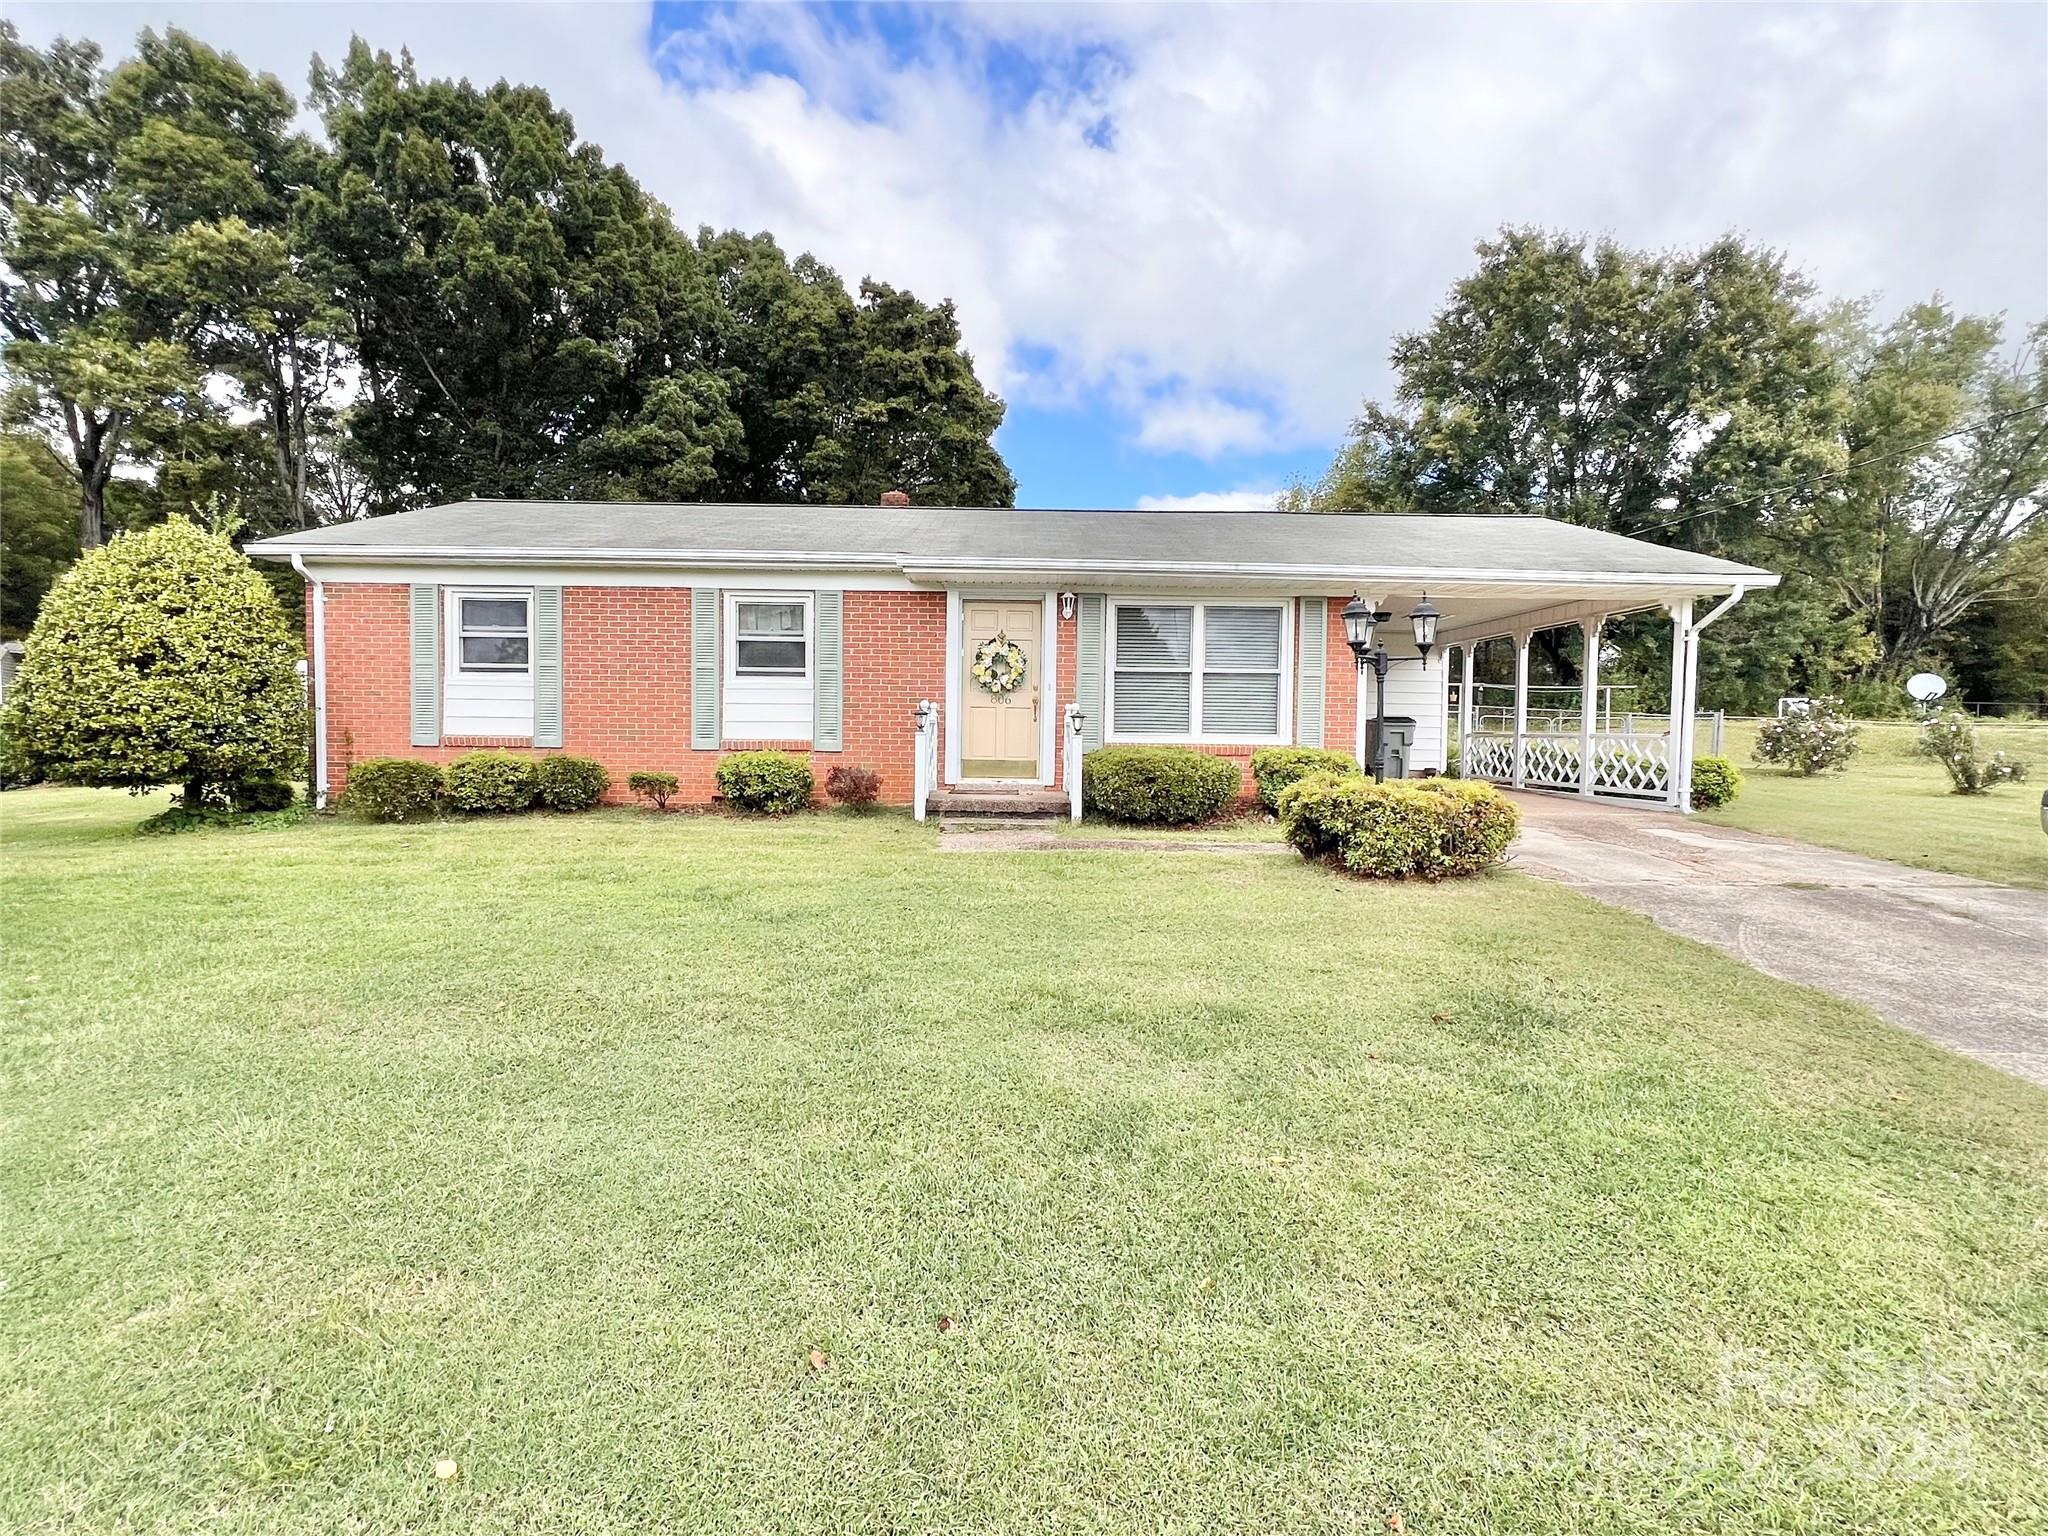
933 539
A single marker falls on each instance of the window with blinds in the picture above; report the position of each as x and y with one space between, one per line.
1197 671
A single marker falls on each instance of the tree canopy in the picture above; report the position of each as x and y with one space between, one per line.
444 294
1712 400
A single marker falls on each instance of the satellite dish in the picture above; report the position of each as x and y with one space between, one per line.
1925 687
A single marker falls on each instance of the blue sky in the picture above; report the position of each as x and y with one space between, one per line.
1182 238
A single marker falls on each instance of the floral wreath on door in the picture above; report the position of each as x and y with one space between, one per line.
999 665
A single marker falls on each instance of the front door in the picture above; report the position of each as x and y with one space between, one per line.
1000 688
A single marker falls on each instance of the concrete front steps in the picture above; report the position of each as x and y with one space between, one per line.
997 802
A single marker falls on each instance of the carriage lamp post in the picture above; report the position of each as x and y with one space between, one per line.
1359 623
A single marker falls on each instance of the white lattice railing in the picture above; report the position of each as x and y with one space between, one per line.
1636 767
1551 761
1488 756
1631 765
924 756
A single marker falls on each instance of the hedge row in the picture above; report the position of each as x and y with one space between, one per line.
476 784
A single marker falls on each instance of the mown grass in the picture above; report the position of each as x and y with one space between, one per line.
1892 803
1255 1199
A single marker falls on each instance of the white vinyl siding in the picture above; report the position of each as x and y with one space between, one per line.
1193 671
487 677
1414 690
766 693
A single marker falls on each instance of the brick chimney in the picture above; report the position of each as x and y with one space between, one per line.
895 498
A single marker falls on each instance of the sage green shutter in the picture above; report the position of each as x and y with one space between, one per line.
828 671
547 666
1309 669
426 666
704 732
1088 635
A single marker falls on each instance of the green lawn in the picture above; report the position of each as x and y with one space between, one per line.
1894 804
1118 1192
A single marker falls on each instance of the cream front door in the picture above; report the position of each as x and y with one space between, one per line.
999 732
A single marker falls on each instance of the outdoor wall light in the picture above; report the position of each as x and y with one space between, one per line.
1360 623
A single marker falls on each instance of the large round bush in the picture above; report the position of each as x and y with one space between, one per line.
1420 828
492 783
161 658
769 783
1274 768
1161 786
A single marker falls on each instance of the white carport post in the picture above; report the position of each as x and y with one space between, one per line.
1521 706
1681 697
1589 700
1465 707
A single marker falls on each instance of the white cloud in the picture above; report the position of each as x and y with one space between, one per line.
1244 499
1285 188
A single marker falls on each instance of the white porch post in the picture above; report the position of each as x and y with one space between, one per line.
1589 702
1675 742
1521 706
1465 708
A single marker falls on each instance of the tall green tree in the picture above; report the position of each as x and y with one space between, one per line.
206 147
38 527
90 355
1948 447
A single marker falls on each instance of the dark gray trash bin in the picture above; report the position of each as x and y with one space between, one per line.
1400 744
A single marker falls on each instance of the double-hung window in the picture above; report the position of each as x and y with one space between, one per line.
770 638
493 632
1198 671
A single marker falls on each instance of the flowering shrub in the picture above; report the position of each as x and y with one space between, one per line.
1950 740
1817 740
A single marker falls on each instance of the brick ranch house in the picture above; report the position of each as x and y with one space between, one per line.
654 636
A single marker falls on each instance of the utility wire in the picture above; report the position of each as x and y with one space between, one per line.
1835 474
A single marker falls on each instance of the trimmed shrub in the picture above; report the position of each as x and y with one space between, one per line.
767 783
855 788
563 783
1277 767
490 783
393 789
1951 741
161 657
1168 786
1715 781
263 793
1401 829
654 788
1817 739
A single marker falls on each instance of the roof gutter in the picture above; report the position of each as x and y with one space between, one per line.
971 570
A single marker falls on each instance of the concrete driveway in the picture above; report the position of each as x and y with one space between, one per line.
1959 961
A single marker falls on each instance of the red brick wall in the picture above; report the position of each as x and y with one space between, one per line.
626 683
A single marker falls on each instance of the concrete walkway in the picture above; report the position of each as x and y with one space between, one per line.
1957 960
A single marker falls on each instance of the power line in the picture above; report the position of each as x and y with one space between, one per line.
1834 474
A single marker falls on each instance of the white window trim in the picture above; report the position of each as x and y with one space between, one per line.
1283 606
732 636
956 677
451 624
